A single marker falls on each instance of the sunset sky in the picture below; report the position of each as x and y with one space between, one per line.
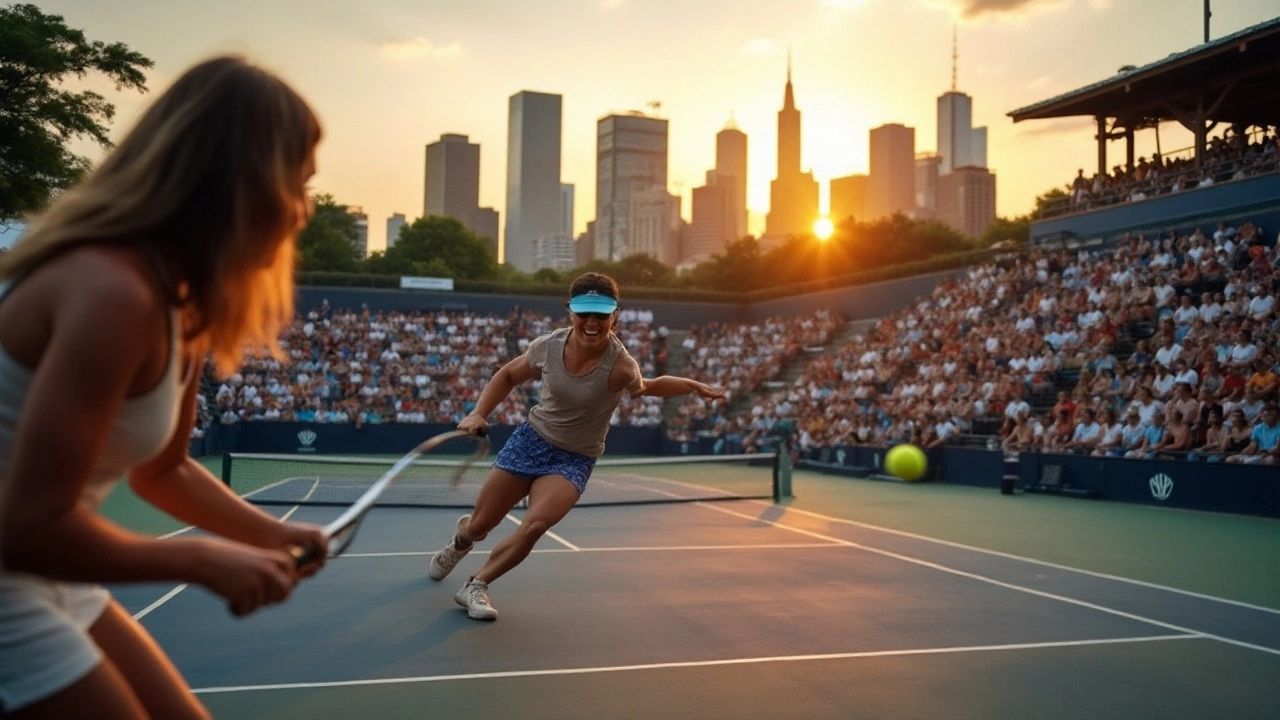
389 76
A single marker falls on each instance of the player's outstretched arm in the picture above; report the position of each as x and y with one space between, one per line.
671 386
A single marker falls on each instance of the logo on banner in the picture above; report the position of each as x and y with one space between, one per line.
840 456
1161 486
308 439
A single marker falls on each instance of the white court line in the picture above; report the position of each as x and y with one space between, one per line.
179 588
163 599
1001 583
1010 556
695 663
650 548
550 534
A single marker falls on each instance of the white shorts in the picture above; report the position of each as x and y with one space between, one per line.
44 636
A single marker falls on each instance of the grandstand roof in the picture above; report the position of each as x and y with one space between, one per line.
1244 64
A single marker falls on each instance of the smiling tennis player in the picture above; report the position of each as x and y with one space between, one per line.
584 370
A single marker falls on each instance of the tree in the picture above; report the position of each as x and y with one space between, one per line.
739 268
641 270
1017 230
437 246
328 242
1051 202
549 276
38 119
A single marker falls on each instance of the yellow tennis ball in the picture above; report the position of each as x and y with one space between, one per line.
906 462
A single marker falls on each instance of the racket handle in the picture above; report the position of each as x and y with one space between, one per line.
304 555
483 432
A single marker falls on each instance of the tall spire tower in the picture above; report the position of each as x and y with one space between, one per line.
793 195
788 130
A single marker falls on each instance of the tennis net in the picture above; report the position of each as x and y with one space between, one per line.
323 480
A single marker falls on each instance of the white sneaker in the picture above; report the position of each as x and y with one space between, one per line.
443 562
474 596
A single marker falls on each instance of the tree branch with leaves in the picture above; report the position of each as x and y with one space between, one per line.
39 117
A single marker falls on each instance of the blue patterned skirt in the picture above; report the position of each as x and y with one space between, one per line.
527 455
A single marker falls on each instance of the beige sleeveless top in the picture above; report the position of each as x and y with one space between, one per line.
573 411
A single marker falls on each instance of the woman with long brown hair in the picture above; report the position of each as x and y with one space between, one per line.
178 247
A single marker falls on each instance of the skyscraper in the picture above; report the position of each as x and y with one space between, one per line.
654 219
849 198
533 174
793 195
566 209
891 187
452 186
713 221
485 227
394 225
966 190
362 230
967 199
631 157
959 143
555 251
926 185
731 162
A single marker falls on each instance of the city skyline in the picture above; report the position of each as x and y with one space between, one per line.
390 76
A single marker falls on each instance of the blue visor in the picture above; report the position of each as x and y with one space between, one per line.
593 302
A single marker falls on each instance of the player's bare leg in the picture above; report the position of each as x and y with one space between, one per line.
551 497
500 492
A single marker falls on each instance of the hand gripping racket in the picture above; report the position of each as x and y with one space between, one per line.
343 529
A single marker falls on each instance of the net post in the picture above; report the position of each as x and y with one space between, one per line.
782 471
226 469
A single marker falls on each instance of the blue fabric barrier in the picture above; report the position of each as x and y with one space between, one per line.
1218 487
390 439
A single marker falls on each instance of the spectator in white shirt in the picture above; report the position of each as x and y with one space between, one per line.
1168 352
1087 433
1244 351
1261 306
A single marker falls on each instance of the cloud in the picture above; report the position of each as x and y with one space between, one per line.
1040 81
758 46
416 49
978 10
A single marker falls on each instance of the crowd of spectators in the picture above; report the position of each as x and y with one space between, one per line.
372 367
1174 338
1235 155
741 358
1155 347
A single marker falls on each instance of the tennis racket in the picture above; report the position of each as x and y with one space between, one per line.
343 529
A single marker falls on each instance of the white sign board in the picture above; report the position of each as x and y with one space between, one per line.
425 283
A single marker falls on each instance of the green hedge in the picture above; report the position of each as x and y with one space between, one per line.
502 287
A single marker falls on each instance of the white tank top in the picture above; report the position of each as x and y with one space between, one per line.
139 431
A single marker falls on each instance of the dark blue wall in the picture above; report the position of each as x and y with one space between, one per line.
1255 199
858 302
392 439
1216 487
854 303
671 314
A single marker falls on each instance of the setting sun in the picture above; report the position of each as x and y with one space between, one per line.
822 228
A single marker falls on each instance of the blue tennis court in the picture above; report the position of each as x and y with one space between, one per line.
734 609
